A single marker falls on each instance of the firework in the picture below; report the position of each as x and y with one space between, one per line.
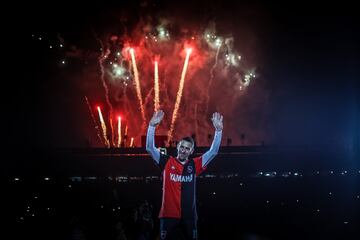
102 58
93 119
103 126
179 94
137 84
156 87
123 59
119 132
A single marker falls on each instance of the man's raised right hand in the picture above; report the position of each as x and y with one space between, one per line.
156 118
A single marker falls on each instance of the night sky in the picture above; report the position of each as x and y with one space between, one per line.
305 56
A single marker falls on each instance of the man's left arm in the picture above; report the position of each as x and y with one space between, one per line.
214 149
217 120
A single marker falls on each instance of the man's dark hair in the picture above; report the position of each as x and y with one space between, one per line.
189 139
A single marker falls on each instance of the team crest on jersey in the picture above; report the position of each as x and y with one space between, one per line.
189 169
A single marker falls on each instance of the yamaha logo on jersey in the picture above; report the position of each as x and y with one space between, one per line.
181 178
189 169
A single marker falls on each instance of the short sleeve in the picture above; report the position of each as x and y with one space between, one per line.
198 165
163 160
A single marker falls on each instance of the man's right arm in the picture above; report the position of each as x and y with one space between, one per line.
150 144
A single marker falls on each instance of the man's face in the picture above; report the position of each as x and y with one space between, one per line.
185 149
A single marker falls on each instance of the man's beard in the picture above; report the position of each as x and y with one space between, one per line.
181 159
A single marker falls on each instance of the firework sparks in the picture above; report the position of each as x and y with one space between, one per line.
103 126
102 58
137 83
219 66
179 94
156 87
218 43
119 132
93 119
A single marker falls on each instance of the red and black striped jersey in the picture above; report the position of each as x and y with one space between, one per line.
179 186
